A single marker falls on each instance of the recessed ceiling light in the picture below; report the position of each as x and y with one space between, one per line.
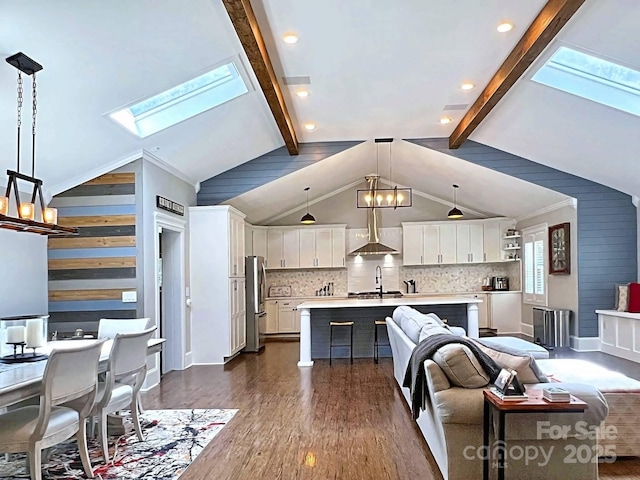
310 126
302 93
290 38
505 27
467 86
445 120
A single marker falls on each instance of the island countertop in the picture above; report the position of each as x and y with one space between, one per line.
389 302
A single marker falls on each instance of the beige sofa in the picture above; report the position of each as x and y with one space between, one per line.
452 422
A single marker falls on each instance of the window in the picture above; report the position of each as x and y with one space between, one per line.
592 78
535 280
182 102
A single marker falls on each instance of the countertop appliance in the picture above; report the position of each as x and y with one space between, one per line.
410 285
500 283
256 292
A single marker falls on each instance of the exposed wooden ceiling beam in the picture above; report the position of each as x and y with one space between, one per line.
246 26
553 16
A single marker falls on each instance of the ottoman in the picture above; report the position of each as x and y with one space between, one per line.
518 344
621 393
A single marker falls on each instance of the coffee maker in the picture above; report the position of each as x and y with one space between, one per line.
500 283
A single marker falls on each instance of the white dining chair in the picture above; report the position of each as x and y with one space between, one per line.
109 327
70 375
125 375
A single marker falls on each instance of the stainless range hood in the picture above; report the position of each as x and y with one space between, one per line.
373 246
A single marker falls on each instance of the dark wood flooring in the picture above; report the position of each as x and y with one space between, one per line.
346 422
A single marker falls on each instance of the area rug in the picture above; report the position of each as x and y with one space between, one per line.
173 439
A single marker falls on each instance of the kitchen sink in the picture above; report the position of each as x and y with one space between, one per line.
375 294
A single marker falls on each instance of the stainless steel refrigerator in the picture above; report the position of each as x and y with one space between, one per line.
256 311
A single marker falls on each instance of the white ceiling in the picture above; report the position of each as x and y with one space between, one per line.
377 69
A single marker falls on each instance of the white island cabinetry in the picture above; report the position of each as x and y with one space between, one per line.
218 309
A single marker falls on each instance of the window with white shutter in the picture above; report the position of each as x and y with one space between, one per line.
534 273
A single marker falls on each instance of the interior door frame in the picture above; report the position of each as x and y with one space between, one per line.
174 350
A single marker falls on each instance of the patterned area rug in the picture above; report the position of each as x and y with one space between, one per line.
173 439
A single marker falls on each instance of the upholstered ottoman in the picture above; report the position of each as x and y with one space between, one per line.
518 344
621 392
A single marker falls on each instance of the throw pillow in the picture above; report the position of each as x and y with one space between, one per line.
521 362
461 366
622 297
634 298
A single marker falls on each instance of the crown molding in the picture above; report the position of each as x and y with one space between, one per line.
146 155
569 202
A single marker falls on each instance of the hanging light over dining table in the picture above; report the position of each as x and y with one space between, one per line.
32 216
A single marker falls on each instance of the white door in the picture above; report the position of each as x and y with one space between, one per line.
338 247
462 244
274 248
307 248
506 311
291 248
324 247
412 246
491 242
476 243
447 238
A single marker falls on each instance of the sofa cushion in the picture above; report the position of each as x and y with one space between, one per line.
432 329
436 376
460 366
507 357
411 321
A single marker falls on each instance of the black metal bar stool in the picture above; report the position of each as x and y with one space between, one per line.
376 344
350 344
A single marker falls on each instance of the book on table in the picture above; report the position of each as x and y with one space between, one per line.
508 397
556 394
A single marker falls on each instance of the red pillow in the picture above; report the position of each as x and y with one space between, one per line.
634 298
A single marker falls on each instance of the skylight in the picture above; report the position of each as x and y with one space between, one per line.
182 102
592 78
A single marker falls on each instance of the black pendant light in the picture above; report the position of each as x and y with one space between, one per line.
307 218
455 212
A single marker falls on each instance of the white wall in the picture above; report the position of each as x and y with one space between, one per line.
562 290
23 279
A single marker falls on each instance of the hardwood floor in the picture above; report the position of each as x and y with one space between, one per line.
346 422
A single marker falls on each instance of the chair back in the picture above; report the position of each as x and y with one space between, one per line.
71 373
129 353
109 327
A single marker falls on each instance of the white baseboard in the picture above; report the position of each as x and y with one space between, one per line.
188 360
585 344
526 329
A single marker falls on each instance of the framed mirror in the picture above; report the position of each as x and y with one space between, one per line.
559 249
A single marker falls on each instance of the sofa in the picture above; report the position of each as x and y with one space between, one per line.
451 420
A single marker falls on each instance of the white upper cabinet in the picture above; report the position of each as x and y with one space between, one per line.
307 247
259 238
469 243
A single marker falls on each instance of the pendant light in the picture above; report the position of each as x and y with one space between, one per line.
455 212
25 220
308 219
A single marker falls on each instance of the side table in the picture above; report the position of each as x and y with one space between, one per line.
533 404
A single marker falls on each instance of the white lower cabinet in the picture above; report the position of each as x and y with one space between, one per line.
483 310
272 317
288 319
505 310
238 337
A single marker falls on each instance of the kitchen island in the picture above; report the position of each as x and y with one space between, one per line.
383 305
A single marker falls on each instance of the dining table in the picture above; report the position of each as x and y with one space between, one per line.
20 381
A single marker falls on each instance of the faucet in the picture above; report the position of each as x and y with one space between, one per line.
379 279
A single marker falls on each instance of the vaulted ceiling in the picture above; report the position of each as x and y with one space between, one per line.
376 69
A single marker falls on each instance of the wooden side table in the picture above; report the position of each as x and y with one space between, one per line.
533 404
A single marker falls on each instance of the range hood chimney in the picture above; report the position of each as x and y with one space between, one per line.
373 246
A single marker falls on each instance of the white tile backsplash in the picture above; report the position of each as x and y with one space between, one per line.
304 283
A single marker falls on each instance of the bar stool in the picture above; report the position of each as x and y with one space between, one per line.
350 344
376 344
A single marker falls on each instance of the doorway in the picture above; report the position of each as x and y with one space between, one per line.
170 290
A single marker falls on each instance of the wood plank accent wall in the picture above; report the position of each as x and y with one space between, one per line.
607 224
265 169
88 273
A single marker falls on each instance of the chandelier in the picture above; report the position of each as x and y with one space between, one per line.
25 219
375 197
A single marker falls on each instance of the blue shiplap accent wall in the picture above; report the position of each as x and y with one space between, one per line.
607 232
265 169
